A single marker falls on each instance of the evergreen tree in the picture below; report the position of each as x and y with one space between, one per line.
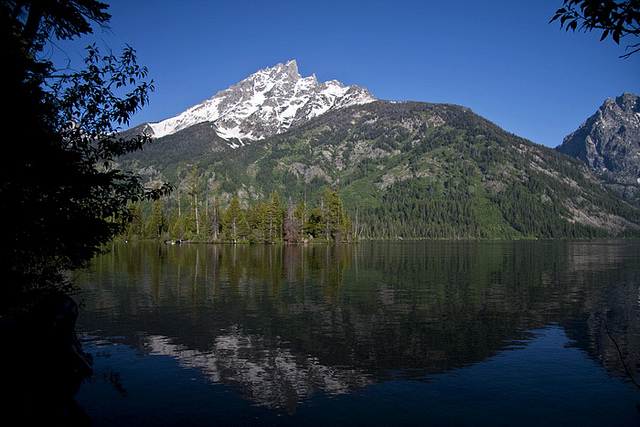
301 214
275 218
292 225
135 227
194 188
184 226
158 223
234 223
259 223
315 224
333 215
215 217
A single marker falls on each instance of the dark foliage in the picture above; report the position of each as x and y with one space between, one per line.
60 196
616 19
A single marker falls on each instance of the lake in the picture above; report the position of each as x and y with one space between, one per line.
377 333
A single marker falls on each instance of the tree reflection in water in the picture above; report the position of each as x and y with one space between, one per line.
285 322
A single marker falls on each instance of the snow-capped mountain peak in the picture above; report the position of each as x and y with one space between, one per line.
266 103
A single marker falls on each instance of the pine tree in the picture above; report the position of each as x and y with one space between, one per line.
301 216
301 213
194 187
333 215
292 226
158 223
235 223
215 217
135 227
275 218
259 223
314 225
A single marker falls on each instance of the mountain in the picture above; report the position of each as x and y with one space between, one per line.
264 104
403 169
609 143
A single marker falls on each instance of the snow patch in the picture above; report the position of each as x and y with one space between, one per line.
269 101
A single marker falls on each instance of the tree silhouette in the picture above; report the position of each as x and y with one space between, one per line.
616 19
59 191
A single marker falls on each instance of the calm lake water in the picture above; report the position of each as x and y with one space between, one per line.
381 333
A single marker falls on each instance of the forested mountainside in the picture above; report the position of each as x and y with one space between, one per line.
402 170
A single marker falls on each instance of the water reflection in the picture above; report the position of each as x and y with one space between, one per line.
269 373
283 323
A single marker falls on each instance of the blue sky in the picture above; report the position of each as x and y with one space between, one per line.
500 58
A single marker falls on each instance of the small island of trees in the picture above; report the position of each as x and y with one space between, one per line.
270 221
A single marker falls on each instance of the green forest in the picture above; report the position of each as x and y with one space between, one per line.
270 221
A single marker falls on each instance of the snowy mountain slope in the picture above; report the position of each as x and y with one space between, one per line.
266 103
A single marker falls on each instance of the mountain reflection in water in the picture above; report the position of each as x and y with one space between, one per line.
270 374
290 325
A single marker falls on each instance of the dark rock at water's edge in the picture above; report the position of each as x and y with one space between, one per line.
43 364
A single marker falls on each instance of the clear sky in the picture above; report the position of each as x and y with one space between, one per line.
501 58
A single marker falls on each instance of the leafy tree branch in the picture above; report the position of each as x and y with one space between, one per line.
60 191
616 19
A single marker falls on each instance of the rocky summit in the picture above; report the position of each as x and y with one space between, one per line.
266 103
609 143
